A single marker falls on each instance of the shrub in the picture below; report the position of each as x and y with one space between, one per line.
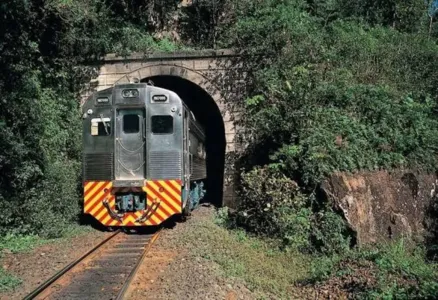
271 204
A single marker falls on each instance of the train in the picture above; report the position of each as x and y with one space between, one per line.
144 158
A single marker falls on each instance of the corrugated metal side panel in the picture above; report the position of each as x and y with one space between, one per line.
164 165
98 166
198 169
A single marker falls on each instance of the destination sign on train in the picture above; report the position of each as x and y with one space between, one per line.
159 98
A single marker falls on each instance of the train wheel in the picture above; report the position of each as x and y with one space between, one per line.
186 210
185 213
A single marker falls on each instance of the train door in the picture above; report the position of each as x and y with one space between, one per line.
130 144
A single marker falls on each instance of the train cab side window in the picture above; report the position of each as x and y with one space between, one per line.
101 127
131 123
162 124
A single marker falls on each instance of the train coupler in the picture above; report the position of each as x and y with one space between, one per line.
149 212
112 213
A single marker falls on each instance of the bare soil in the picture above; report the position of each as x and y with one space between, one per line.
39 264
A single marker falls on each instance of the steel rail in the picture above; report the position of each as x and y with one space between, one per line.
128 281
67 268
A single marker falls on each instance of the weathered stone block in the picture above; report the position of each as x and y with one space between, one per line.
381 206
231 147
230 138
229 127
202 64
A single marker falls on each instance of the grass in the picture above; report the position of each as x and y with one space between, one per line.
260 264
19 243
12 243
8 281
395 270
15 243
75 230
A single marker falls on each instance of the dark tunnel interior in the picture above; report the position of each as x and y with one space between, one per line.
207 113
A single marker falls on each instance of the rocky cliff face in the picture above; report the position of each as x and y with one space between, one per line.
381 206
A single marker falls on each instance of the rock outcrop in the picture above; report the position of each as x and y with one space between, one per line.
381 206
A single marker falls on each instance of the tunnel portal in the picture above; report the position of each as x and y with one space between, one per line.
208 81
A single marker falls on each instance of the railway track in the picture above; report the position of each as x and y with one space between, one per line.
104 272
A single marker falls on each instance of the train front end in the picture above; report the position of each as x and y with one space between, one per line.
133 155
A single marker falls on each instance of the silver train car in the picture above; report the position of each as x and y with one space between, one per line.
144 156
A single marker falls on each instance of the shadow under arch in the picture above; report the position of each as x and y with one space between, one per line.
208 114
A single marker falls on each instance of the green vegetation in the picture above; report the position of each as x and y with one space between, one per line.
273 205
7 281
397 270
12 243
265 268
333 86
15 244
45 48
337 96
330 93
392 271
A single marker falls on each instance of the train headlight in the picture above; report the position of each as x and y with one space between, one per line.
130 93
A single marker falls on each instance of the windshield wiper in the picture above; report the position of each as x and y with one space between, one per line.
104 124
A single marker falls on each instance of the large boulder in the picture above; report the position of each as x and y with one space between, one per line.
381 205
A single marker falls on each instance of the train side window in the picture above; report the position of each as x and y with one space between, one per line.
131 123
162 124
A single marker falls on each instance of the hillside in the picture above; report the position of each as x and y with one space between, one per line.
333 87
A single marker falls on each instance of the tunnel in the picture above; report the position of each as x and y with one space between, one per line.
207 113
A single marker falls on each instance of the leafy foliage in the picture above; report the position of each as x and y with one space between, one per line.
259 264
406 16
335 86
273 205
341 97
204 22
45 46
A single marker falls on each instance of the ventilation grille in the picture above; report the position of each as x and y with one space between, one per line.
98 166
198 169
164 165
